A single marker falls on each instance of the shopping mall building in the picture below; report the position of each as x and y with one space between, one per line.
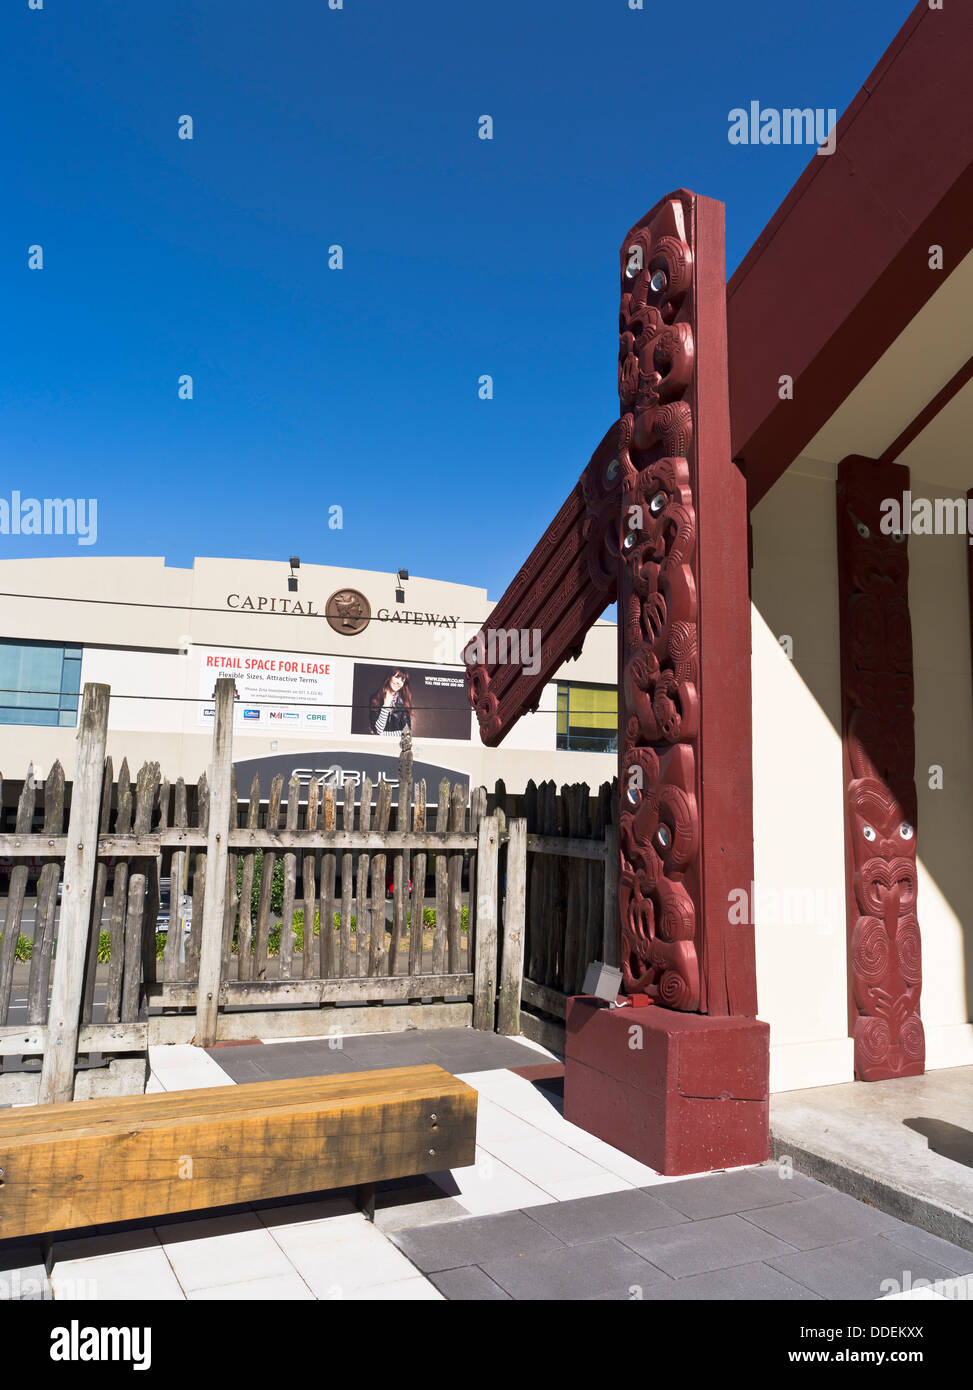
309 662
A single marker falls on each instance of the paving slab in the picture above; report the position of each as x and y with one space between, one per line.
468 1285
612 1214
859 1269
474 1240
904 1146
741 1283
600 1269
954 1257
720 1194
822 1221
454 1049
699 1246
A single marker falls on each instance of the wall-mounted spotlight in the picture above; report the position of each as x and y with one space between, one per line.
292 577
401 577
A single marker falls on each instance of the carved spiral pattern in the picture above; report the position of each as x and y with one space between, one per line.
870 949
913 1038
873 1039
674 991
908 943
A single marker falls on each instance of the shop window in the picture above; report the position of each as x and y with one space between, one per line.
39 683
587 717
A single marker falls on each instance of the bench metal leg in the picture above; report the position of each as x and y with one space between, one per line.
366 1200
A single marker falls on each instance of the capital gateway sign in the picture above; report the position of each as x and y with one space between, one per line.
261 603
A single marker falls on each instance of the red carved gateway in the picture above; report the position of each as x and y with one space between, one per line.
658 522
657 612
885 960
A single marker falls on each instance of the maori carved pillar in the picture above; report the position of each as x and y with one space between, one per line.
878 732
683 624
658 520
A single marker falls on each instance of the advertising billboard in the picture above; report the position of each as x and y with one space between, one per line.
432 704
277 692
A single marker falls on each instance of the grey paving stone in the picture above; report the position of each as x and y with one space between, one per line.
474 1240
857 1269
742 1283
954 1257
699 1246
453 1049
598 1269
468 1285
720 1194
611 1214
821 1221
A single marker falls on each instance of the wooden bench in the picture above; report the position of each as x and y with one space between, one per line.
90 1162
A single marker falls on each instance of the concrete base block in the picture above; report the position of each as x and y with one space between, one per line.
682 1093
123 1076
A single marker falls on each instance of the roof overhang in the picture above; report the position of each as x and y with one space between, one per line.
843 267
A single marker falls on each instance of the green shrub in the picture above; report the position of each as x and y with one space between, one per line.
104 946
277 887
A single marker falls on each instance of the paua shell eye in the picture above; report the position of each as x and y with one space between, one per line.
658 282
898 537
863 530
906 830
869 833
658 503
664 836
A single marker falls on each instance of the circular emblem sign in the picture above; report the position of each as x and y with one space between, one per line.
348 612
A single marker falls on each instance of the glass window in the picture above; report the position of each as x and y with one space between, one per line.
587 717
39 683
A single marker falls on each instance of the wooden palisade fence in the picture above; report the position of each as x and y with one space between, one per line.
237 973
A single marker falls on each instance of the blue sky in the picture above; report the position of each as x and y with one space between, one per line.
358 127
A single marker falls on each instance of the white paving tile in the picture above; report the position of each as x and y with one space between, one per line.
638 1174
133 1274
490 1186
108 1243
911 1294
543 1161
566 1189
495 1122
182 1067
289 1288
337 1265
338 1213
222 1250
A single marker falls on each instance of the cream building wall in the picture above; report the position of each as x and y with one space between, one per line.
146 648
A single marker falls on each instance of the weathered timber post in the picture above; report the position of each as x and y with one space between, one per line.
214 897
57 1073
514 921
485 924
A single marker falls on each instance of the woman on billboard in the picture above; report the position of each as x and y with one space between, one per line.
390 708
